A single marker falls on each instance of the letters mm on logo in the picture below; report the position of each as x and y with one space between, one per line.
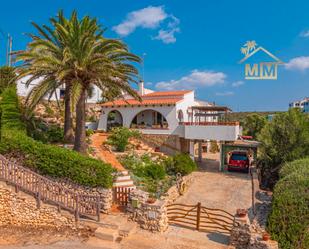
262 70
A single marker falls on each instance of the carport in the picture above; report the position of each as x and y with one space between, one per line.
241 145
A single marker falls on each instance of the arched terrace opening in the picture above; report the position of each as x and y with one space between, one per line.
149 119
114 119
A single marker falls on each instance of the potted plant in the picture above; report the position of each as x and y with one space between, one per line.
266 236
241 212
151 200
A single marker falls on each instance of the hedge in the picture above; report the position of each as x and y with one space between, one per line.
47 159
288 222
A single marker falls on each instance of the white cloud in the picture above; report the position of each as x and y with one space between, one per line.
195 79
305 33
237 83
168 35
228 93
149 17
298 63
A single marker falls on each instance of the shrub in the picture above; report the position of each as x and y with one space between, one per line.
119 137
289 218
154 171
48 159
89 132
214 148
300 166
180 163
148 174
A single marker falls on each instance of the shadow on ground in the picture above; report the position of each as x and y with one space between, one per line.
219 238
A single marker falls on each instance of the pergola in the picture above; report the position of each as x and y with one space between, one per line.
243 145
199 114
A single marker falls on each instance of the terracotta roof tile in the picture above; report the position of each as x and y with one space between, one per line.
167 93
133 102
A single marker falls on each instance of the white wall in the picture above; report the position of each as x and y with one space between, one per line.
183 105
22 90
128 113
212 132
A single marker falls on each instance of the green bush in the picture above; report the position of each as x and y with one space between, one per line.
180 163
214 148
148 174
289 219
154 171
89 132
47 159
119 137
300 166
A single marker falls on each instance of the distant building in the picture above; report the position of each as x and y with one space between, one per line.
301 104
23 90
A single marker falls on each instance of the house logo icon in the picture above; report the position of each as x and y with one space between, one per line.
259 71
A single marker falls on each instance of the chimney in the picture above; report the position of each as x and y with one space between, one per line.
141 89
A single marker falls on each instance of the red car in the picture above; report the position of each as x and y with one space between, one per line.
239 161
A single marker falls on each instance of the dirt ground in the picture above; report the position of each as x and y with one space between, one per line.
213 189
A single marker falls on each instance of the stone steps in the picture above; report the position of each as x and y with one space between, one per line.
111 230
107 234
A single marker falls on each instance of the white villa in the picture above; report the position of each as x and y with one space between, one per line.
171 120
174 117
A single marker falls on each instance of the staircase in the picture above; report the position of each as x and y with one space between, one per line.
114 229
123 179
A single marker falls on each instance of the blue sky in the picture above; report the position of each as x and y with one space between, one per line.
193 44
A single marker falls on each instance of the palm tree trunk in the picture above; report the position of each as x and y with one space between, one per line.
80 144
68 123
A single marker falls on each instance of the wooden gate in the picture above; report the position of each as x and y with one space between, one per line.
121 195
200 218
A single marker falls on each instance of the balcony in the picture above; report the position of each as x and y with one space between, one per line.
220 131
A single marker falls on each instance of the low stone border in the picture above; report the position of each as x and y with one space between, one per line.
179 189
150 216
243 236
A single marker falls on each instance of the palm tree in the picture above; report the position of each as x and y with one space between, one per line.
44 60
93 60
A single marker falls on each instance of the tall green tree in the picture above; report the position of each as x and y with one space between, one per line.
284 139
95 60
7 77
45 61
253 124
75 52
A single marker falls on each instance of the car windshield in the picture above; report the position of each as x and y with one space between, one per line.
242 157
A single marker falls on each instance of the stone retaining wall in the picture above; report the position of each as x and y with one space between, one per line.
152 217
243 236
176 190
18 211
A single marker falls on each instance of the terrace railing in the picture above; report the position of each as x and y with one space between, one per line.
46 190
210 123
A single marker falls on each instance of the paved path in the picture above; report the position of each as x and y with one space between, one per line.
227 191
103 152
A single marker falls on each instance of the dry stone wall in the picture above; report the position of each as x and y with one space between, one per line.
150 216
21 212
179 189
243 236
